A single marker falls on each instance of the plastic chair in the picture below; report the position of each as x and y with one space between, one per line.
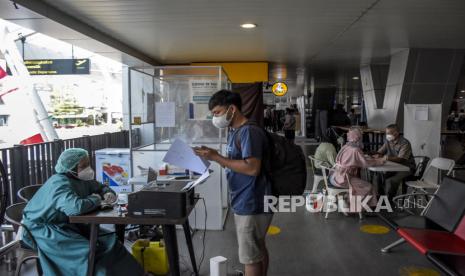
429 180
14 215
317 178
422 164
26 193
331 191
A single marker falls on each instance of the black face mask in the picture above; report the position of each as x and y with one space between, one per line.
72 174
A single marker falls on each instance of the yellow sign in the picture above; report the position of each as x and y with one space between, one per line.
137 121
279 89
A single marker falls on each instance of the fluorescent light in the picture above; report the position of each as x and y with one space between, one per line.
355 78
248 25
463 91
460 97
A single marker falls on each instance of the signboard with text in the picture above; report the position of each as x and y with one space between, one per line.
58 66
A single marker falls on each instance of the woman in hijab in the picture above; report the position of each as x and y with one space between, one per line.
63 247
349 161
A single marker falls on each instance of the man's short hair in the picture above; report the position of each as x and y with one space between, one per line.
393 127
225 98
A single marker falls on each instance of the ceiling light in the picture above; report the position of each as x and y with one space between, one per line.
460 97
248 25
355 78
463 91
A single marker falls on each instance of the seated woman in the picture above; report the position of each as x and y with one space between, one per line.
63 247
325 153
349 161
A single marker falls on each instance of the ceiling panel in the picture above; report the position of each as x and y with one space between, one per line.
391 26
31 20
312 33
187 31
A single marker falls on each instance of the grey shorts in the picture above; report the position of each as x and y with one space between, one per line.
251 232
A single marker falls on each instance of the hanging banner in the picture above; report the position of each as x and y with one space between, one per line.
58 66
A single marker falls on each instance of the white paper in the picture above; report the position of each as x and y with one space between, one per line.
165 114
183 156
421 113
200 180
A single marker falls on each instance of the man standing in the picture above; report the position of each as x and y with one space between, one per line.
248 185
396 149
353 117
289 125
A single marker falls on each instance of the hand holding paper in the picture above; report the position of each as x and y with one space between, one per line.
206 152
183 156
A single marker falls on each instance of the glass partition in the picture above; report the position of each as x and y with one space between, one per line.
172 102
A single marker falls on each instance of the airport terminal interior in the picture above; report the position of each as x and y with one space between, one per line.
214 137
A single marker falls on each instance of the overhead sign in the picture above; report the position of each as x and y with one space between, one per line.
279 89
58 66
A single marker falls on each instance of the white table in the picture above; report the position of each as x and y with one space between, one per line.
389 166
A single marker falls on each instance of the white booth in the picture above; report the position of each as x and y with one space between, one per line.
172 102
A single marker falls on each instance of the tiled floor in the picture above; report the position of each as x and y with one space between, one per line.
311 245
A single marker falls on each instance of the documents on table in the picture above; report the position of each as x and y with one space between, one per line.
183 156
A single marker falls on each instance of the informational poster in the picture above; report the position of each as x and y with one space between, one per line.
424 135
165 114
202 89
150 102
421 113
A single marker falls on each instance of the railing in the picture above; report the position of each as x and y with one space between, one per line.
34 164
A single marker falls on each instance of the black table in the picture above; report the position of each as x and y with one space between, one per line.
169 233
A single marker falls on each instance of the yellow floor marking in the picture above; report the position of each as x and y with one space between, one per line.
418 271
273 230
374 229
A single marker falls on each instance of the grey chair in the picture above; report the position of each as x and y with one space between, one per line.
26 193
14 215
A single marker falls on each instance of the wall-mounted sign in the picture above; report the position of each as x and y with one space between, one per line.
202 89
279 89
58 66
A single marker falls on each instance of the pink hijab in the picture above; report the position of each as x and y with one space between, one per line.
354 137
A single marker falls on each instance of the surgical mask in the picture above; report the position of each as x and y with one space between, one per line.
222 121
390 137
86 174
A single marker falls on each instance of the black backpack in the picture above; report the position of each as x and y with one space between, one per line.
284 164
